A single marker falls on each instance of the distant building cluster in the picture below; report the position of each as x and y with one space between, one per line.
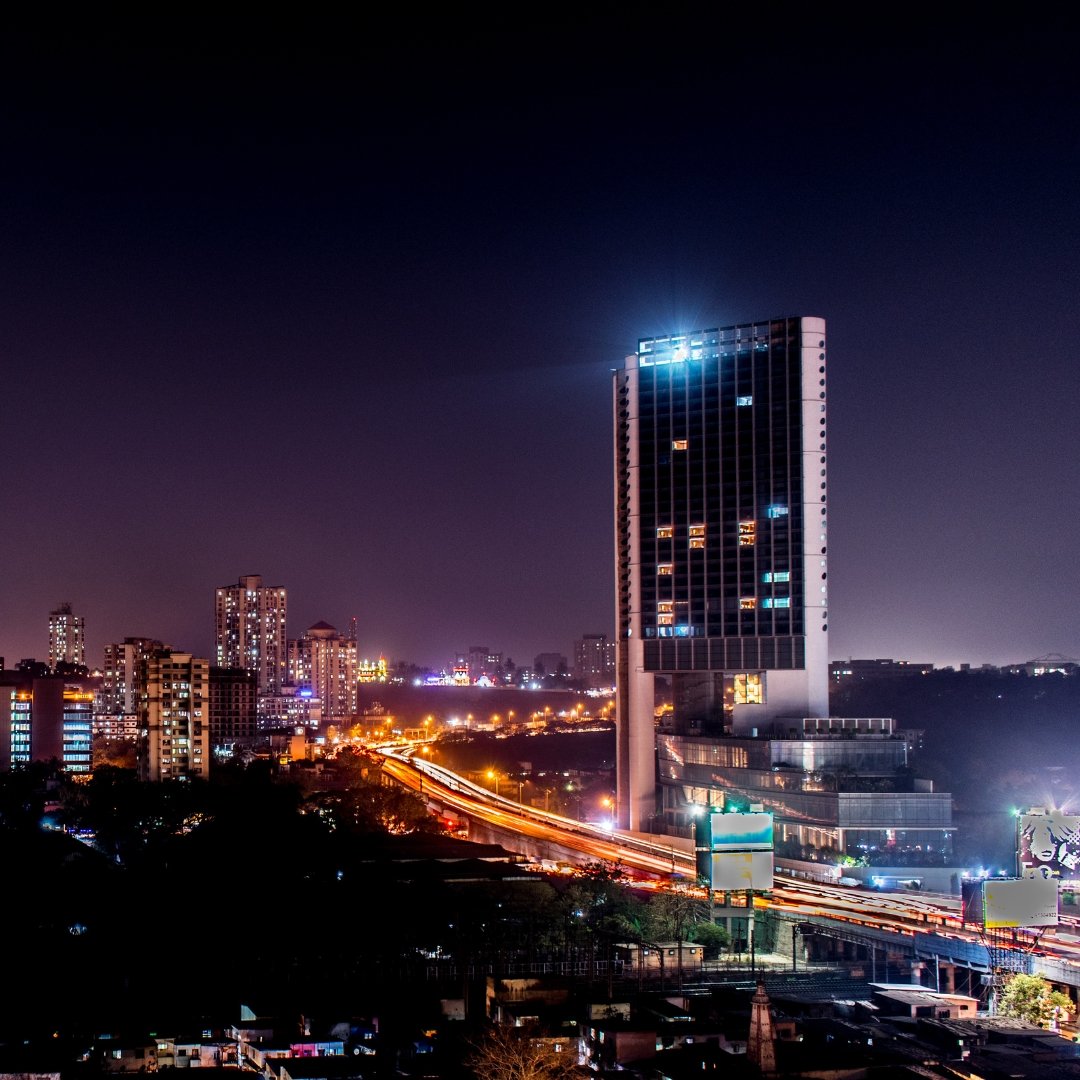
179 710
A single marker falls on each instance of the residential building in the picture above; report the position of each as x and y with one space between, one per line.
117 700
290 708
325 663
249 626
233 709
594 661
174 728
484 665
722 590
66 637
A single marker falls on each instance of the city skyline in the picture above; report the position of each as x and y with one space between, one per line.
341 310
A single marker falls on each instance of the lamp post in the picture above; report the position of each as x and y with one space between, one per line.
494 776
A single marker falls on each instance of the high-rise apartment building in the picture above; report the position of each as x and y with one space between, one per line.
249 630
325 663
594 661
66 637
233 709
720 464
117 700
174 728
720 442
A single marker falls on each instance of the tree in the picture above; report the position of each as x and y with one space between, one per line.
1031 998
518 1053
711 937
672 915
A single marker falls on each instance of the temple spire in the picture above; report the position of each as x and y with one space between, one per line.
760 1047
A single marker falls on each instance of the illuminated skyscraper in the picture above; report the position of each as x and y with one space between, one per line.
720 442
66 637
250 630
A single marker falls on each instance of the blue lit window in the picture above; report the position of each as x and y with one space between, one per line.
776 602
745 399
777 511
776 575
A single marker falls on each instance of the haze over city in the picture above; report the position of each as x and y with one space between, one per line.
340 307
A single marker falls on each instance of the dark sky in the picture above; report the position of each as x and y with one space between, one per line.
338 303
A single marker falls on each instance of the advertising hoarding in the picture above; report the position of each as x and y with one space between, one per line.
1049 844
731 871
1014 902
740 832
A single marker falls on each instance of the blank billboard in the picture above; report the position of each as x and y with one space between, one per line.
741 832
730 871
1011 902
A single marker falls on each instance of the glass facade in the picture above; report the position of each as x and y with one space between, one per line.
720 495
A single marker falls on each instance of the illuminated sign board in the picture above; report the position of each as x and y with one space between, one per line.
1049 844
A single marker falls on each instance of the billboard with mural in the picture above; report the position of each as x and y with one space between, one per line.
1049 844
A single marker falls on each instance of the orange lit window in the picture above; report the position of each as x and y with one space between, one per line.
747 533
664 569
665 607
665 532
678 444
697 530
747 603
749 690
665 619
697 543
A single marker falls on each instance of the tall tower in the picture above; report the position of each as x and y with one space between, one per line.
174 727
325 662
720 538
66 632
249 630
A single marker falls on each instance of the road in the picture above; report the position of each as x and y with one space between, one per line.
903 914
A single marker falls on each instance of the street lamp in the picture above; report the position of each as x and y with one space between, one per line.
494 776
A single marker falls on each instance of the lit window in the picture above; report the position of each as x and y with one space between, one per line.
745 399
697 530
697 543
664 569
665 532
776 575
678 444
665 619
747 533
747 603
749 690
776 602
777 511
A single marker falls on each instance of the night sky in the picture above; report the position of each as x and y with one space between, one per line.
338 304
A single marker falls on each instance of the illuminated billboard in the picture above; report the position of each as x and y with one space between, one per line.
730 871
740 832
1049 844
1013 902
